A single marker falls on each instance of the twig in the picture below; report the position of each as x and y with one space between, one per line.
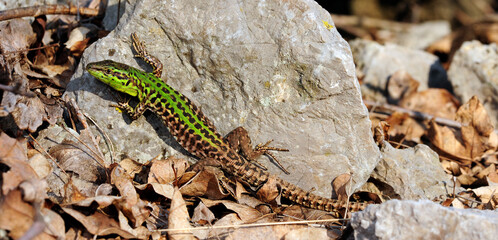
36 11
51 158
17 90
368 22
415 114
107 140
251 225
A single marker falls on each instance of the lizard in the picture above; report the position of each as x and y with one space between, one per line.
197 134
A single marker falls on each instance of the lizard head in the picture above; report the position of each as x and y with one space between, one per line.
114 74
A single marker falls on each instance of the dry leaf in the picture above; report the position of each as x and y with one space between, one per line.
84 159
13 155
165 190
400 85
165 171
132 206
41 165
403 127
434 101
269 192
179 218
202 215
340 184
246 213
98 223
18 216
205 183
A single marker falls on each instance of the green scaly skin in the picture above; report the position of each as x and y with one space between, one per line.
195 132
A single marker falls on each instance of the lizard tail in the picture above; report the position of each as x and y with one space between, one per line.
302 197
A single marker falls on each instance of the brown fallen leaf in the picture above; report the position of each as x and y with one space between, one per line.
202 215
131 205
404 128
41 165
165 190
179 218
205 183
400 85
468 143
165 171
98 223
245 213
18 216
434 101
13 156
340 184
84 159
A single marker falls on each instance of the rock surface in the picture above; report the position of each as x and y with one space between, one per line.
423 220
376 63
474 71
411 173
275 67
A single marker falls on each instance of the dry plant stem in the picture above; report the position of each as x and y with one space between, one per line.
252 225
52 158
38 225
107 140
17 90
367 22
97 158
36 11
414 114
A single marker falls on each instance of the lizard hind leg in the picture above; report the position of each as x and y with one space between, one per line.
239 140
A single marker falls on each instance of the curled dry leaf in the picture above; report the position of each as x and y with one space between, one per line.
41 165
468 143
165 171
131 205
84 159
202 215
13 155
205 183
28 113
245 213
98 223
403 127
340 184
401 85
165 190
17 217
270 192
179 218
434 101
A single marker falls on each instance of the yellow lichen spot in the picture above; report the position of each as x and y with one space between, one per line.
327 25
267 84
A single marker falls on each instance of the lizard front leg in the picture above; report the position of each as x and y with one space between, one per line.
134 113
239 140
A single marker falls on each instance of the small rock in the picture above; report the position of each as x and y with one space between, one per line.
376 63
411 173
423 219
474 71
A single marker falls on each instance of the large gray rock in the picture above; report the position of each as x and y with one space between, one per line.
273 67
474 71
376 63
423 220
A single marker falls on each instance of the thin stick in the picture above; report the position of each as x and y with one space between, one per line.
36 11
251 225
415 114
17 90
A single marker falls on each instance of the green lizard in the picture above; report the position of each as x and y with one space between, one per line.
195 132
